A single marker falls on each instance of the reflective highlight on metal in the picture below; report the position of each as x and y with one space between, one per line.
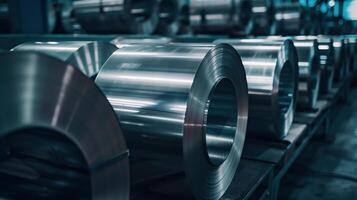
272 75
289 19
140 39
58 133
187 102
262 16
119 16
211 16
88 57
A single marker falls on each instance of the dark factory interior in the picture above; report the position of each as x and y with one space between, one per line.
178 99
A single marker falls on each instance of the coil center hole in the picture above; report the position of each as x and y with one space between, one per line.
221 121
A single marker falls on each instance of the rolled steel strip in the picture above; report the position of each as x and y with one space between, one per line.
59 135
188 102
272 75
327 60
309 71
289 19
88 57
117 16
262 16
170 16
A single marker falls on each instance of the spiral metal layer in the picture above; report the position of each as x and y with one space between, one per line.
120 16
88 57
59 135
272 75
187 102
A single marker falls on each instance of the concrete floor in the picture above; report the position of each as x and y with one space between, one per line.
327 170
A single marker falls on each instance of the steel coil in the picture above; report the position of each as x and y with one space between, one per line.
170 16
182 101
289 19
88 57
59 135
262 16
340 58
327 60
117 16
272 75
209 16
309 71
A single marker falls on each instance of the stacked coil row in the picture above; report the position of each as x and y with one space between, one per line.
73 110
177 17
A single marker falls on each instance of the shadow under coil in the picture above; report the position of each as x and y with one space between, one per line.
117 16
272 75
86 56
187 102
59 135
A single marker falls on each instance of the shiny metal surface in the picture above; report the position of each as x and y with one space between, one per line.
309 70
88 57
117 16
9 41
309 73
140 39
289 19
272 75
327 60
58 133
262 16
188 102
170 14
211 16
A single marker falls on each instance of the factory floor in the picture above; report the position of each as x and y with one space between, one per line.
327 170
